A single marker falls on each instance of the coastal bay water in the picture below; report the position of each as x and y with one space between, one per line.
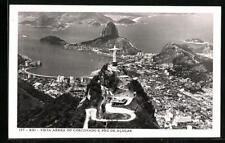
57 61
150 37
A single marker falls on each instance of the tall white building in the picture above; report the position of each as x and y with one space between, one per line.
60 78
26 64
71 80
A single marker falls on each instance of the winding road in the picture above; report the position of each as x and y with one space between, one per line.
92 112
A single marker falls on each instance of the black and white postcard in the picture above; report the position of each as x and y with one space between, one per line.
114 71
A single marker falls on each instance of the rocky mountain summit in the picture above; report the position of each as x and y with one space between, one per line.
110 30
184 61
109 37
113 89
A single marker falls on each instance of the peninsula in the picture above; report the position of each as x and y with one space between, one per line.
100 45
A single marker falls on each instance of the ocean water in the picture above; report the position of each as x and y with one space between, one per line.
149 37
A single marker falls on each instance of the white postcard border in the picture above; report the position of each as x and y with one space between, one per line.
15 132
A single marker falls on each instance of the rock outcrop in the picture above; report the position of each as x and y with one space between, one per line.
172 51
110 31
109 38
185 62
36 109
108 80
21 60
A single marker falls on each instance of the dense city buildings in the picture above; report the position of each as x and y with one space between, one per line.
178 101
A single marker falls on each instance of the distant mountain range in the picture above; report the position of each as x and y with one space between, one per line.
60 21
41 21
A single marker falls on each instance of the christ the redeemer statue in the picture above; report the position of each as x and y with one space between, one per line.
114 49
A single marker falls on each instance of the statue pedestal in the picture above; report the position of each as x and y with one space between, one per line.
114 63
112 68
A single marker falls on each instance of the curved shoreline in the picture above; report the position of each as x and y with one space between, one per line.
47 76
37 75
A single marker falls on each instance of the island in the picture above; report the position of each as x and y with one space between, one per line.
126 21
194 40
54 40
